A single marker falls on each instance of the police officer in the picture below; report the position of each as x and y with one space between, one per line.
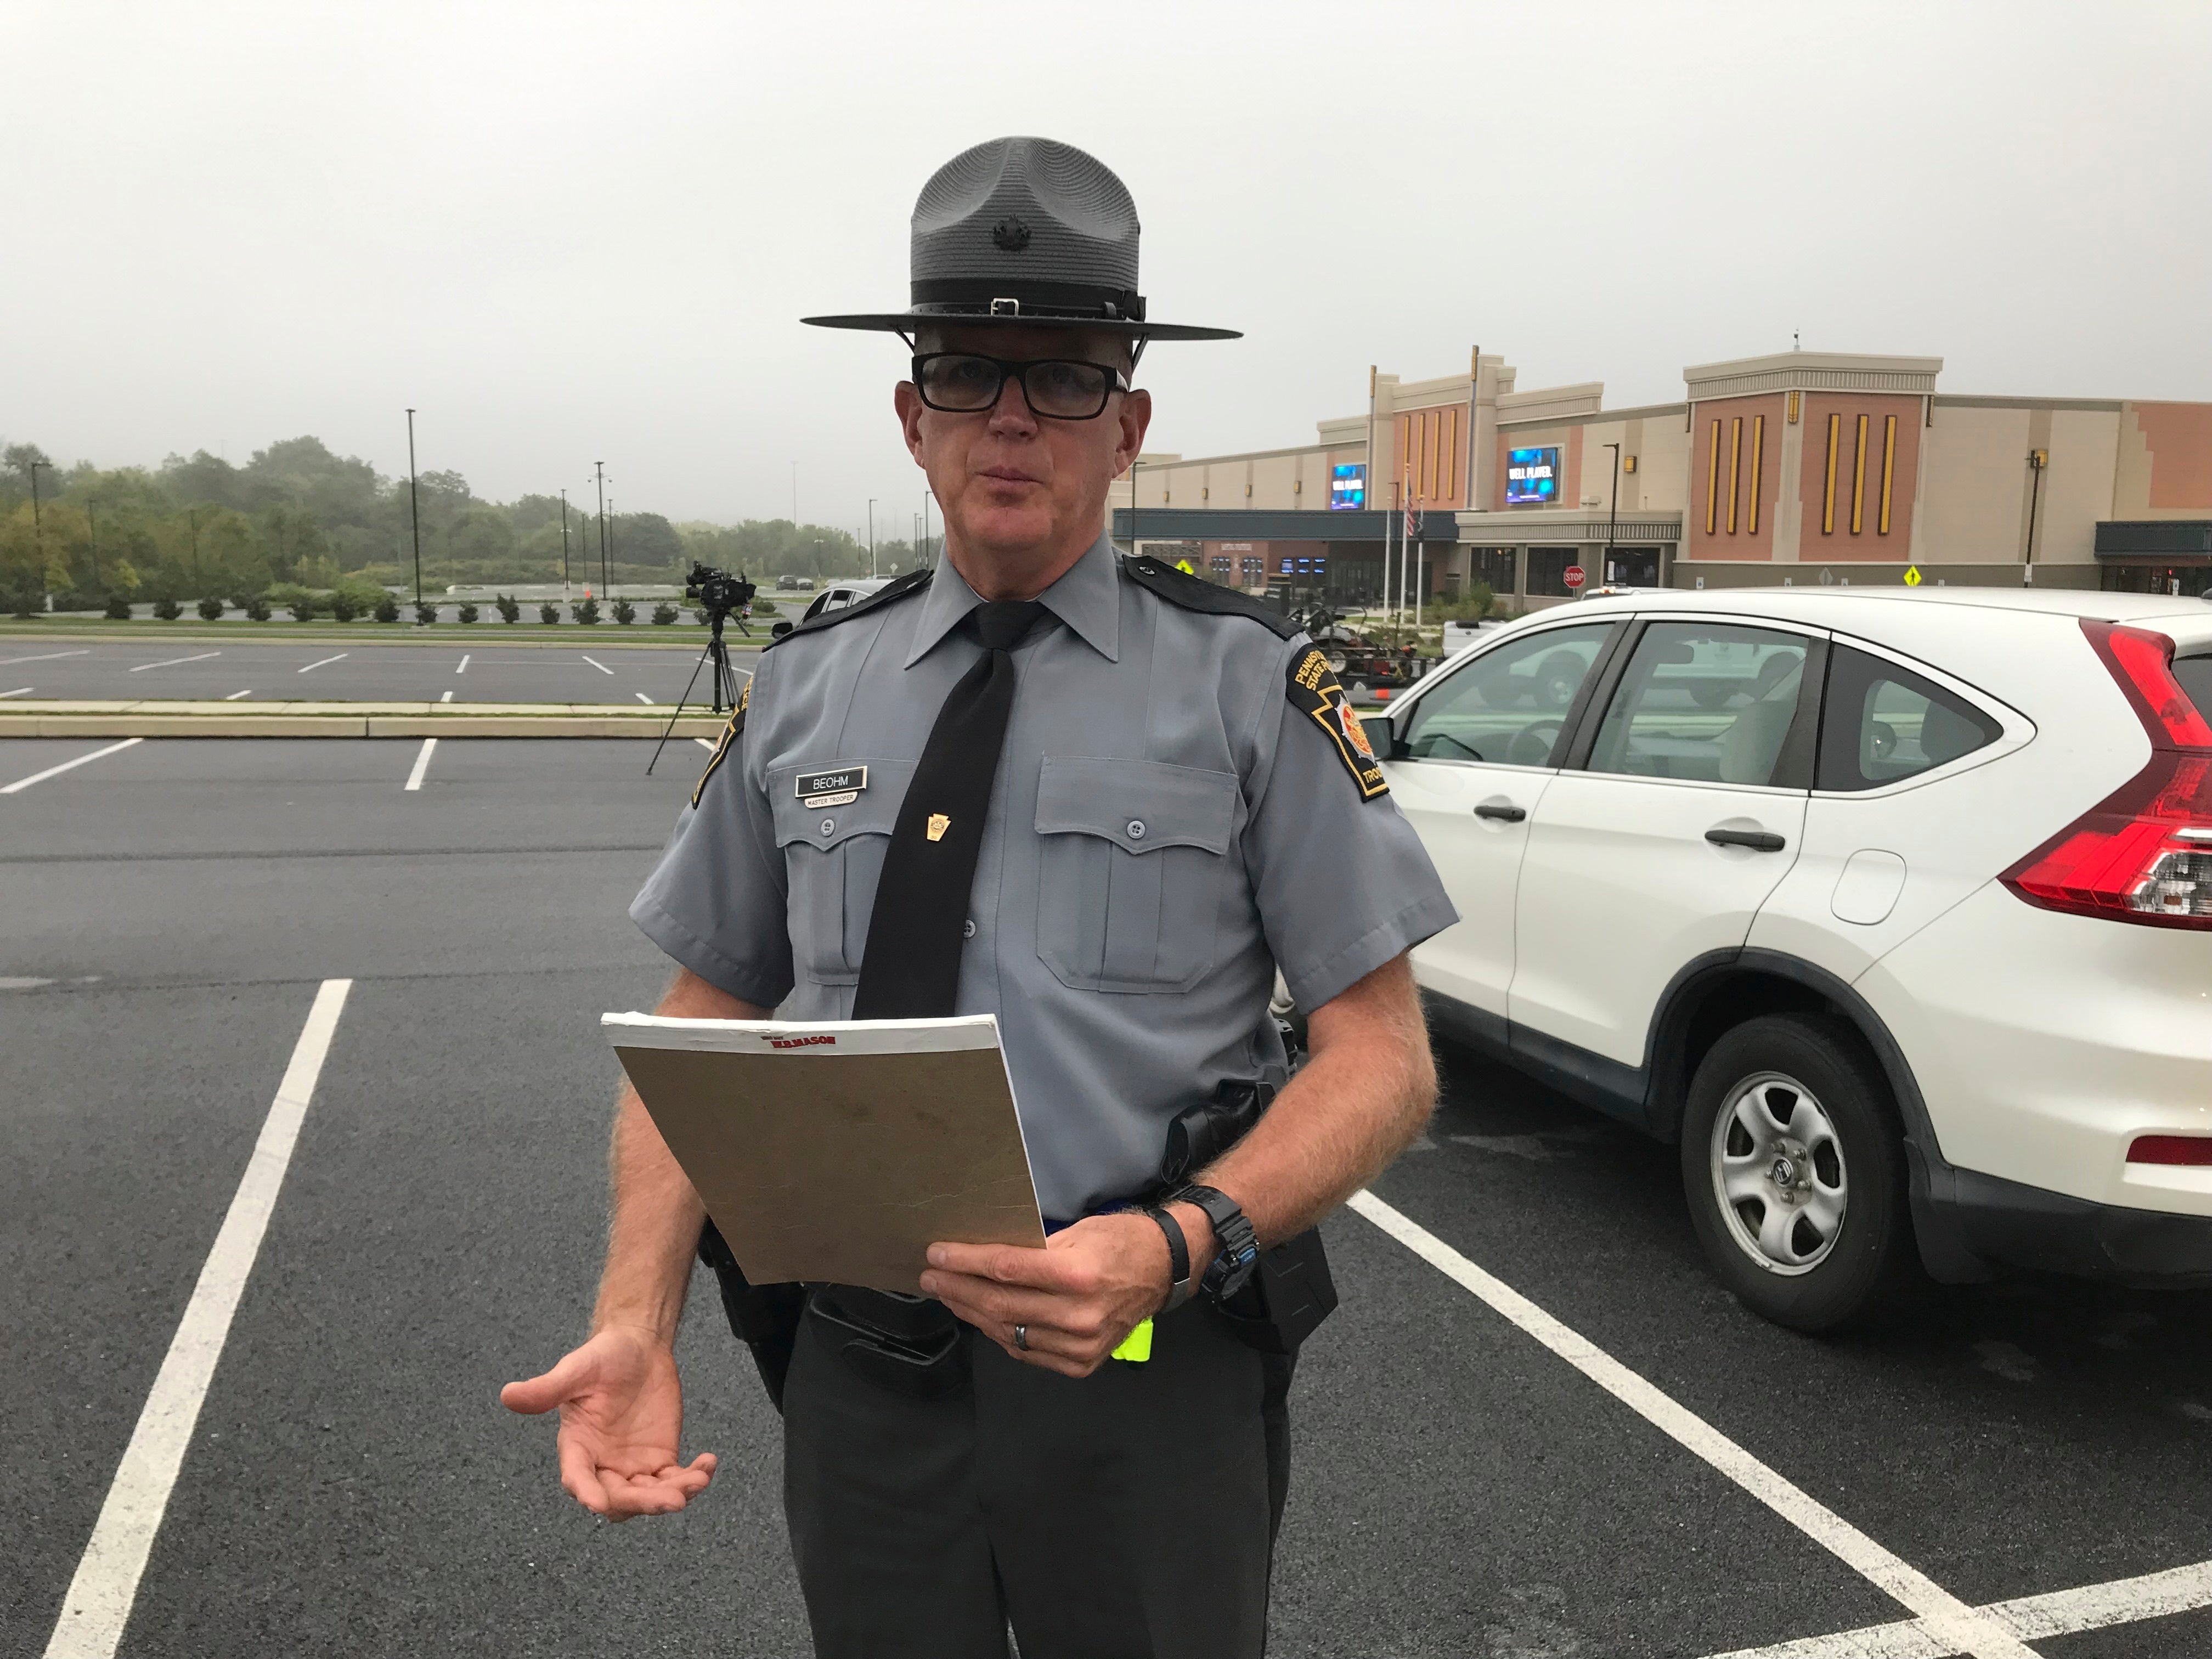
1104 801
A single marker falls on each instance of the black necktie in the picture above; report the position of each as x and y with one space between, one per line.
911 967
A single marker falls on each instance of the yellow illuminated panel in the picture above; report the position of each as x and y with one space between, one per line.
1793 408
1828 490
1858 478
1736 463
1888 469
1451 452
1713 481
1757 435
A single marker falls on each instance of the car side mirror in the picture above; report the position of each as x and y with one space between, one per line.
1382 730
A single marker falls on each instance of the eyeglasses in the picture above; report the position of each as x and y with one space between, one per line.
1057 388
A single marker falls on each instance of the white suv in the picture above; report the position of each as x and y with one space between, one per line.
1893 908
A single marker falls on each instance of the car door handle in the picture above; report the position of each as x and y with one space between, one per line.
1503 812
1759 840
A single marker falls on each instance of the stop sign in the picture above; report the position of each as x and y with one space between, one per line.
1574 577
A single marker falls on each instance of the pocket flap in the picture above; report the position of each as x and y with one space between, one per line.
1136 804
871 812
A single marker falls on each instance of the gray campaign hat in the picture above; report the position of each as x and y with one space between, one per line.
1026 232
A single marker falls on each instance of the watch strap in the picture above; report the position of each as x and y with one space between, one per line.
1233 1231
1179 1280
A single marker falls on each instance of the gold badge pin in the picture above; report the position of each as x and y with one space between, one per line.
938 823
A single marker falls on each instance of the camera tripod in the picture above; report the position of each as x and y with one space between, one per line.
725 680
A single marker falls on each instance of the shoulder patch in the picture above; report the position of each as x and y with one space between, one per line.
1314 693
731 733
913 582
1196 593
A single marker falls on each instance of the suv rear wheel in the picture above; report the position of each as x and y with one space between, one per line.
1794 1164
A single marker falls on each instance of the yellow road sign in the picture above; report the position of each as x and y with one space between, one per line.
1186 566
1912 575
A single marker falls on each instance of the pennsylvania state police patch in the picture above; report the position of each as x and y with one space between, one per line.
730 734
1314 691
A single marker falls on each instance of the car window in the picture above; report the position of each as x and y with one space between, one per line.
1509 705
1711 701
2195 674
1882 722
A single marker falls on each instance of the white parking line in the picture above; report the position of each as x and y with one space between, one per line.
448 697
2031 1618
45 656
704 743
601 666
100 1598
641 697
235 696
422 763
326 661
1964 1629
464 666
66 766
20 691
172 661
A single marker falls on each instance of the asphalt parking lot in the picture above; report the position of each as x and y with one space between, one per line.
589 669
1535 1427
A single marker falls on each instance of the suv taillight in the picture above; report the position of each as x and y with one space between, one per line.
2145 854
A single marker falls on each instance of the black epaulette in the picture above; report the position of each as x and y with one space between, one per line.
913 582
1196 593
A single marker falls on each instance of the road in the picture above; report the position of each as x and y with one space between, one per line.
591 671
352 1487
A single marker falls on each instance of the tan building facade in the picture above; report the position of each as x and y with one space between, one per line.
1801 466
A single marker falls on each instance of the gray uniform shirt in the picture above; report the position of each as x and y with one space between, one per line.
1167 827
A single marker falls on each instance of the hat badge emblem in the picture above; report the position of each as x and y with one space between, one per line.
1011 235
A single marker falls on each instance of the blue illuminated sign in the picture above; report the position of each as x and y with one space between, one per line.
1348 486
1532 478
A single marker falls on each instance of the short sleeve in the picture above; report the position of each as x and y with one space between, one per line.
717 901
1342 883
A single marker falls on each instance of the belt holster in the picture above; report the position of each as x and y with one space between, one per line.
911 1344
764 1317
1290 1291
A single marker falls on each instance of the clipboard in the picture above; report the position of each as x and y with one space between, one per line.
838 1152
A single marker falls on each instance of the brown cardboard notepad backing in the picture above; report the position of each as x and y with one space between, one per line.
844 1167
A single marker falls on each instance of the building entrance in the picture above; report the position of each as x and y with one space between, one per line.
1632 566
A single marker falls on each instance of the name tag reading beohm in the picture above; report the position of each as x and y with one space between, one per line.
837 788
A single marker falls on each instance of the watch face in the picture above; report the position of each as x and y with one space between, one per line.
1238 1276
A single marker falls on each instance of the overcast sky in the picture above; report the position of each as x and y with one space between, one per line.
572 232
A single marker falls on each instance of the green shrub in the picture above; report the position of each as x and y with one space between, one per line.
343 608
425 613
360 594
257 609
762 608
664 613
588 612
303 608
625 612
118 608
387 609
210 608
549 612
699 615
508 609
167 609
26 602
468 613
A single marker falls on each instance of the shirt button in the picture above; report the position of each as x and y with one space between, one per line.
828 826
1136 829
967 930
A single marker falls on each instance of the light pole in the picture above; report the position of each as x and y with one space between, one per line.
600 472
415 513
925 523
872 539
612 517
1612 514
564 544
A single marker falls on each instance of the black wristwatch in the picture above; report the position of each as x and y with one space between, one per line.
1232 1229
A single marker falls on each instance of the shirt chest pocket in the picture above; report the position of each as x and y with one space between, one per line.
833 856
1132 871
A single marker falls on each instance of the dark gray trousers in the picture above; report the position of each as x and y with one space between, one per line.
1132 1512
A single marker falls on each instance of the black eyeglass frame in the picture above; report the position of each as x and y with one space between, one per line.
1018 367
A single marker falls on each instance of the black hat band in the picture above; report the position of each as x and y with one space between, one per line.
971 297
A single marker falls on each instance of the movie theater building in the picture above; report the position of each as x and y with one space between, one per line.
1802 466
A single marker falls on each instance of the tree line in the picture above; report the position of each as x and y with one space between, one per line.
298 516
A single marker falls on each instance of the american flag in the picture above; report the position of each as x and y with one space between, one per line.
1413 515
